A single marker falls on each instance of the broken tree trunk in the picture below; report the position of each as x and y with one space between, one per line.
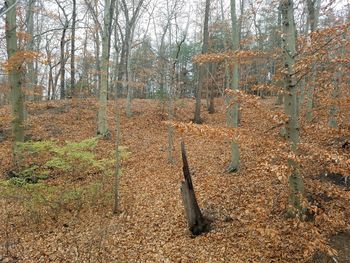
197 224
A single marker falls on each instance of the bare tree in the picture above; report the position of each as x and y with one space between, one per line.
72 55
17 96
202 70
30 46
233 108
296 184
65 22
130 23
102 125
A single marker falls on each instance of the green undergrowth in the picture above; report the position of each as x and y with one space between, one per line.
54 178
41 199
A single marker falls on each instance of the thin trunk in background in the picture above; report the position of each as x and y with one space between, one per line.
212 88
332 121
116 208
313 7
198 92
279 99
30 46
129 33
62 52
240 21
72 54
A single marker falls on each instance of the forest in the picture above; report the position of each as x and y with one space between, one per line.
175 131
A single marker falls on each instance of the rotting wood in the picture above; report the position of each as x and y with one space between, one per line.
197 223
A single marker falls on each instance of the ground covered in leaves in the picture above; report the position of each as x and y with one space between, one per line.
247 208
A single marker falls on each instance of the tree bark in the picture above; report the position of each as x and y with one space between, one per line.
17 96
233 106
198 92
211 88
296 184
313 10
30 45
279 99
72 54
129 32
102 124
62 51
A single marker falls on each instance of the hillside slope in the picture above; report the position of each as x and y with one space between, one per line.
247 207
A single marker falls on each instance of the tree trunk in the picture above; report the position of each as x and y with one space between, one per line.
116 208
72 54
129 32
197 224
313 10
279 99
98 63
291 105
63 62
15 80
50 82
332 121
102 125
127 76
30 44
198 92
240 23
211 89
233 106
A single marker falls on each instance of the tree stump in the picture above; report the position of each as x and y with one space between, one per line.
197 223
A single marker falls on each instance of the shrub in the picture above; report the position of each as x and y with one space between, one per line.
47 159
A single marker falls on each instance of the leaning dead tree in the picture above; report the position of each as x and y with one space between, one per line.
197 223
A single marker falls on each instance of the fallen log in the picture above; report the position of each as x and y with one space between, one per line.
197 223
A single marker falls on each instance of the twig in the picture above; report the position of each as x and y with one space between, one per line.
274 127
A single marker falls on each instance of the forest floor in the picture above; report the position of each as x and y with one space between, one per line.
247 208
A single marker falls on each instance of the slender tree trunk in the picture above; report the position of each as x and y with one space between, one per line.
121 87
63 62
98 64
102 124
50 82
17 96
198 91
212 89
72 54
240 22
37 95
296 184
313 10
232 113
115 85
127 76
116 208
172 83
129 33
279 99
233 106
30 46
332 122
84 78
